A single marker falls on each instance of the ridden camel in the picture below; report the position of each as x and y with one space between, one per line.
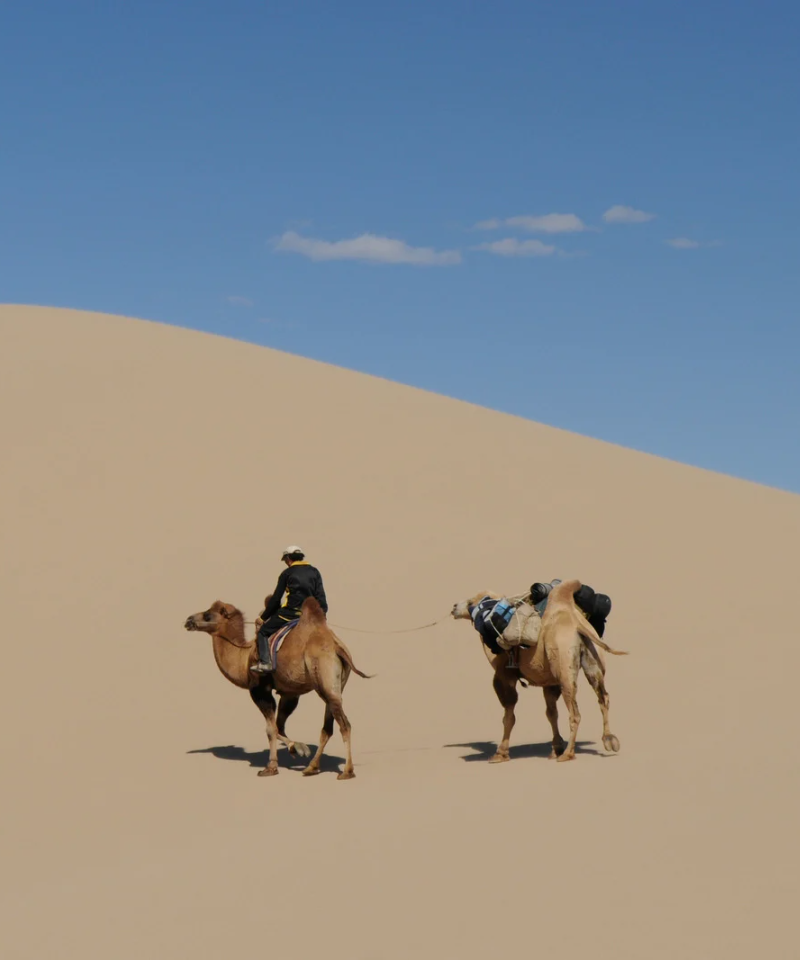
566 643
311 657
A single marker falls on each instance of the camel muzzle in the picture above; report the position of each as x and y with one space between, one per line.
190 624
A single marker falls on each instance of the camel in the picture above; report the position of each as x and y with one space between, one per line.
566 643
311 657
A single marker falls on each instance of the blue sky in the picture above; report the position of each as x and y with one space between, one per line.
422 190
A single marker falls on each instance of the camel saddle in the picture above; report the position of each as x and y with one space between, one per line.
277 638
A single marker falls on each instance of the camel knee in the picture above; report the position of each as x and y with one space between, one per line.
327 723
285 709
551 703
341 718
602 694
574 713
344 727
507 695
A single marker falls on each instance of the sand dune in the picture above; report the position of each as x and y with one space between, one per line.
149 470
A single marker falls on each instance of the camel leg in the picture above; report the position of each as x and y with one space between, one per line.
506 691
265 702
344 728
324 737
569 692
594 674
286 708
551 695
569 646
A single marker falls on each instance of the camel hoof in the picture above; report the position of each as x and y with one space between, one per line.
311 771
564 757
268 772
499 758
300 749
611 743
346 775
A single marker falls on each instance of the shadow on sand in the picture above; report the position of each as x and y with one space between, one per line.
484 749
330 763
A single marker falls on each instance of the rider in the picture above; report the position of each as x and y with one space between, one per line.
297 582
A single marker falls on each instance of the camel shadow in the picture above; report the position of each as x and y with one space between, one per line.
484 749
260 758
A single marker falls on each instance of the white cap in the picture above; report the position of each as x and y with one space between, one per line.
292 549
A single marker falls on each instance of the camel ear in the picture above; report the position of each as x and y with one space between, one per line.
224 611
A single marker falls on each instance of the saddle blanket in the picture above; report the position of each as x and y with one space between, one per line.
277 638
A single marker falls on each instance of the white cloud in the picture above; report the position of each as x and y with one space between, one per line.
683 243
240 301
511 247
620 214
547 223
368 247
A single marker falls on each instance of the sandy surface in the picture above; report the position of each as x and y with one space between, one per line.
150 470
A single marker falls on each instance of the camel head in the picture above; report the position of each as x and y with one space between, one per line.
213 620
463 610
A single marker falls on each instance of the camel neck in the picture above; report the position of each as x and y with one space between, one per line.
233 661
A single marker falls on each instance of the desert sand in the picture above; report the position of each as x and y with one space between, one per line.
149 470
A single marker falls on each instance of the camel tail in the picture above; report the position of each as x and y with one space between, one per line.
587 635
346 657
588 632
565 592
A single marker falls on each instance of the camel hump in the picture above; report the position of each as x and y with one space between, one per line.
311 610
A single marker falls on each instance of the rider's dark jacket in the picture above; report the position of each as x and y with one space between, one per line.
297 582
